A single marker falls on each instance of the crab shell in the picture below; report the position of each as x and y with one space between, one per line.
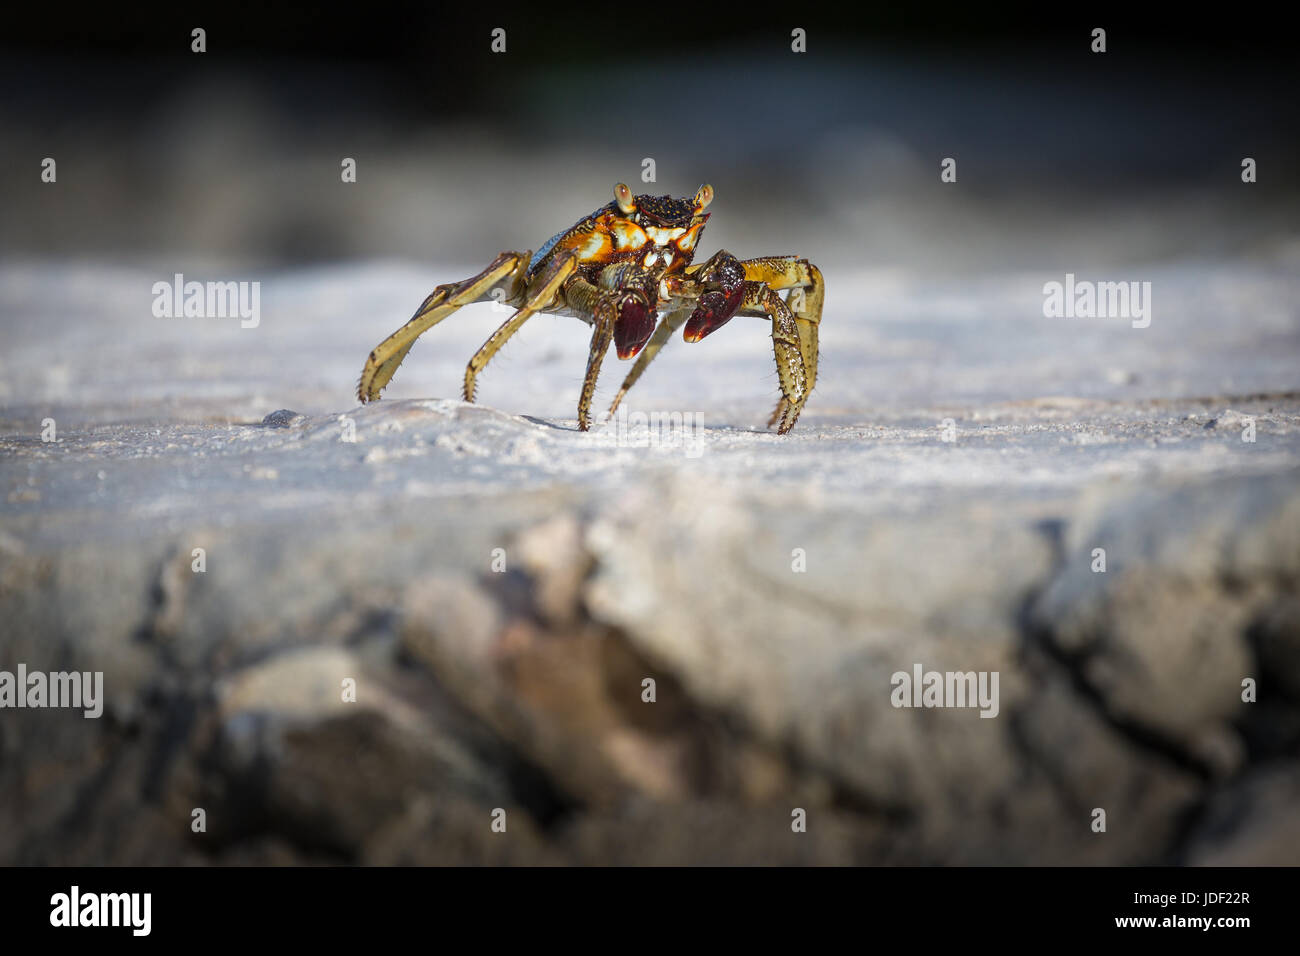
660 233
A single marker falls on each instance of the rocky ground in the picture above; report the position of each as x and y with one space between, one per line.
498 587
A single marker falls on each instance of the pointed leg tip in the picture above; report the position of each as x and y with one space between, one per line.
777 413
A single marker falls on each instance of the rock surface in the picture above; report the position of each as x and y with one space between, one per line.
419 618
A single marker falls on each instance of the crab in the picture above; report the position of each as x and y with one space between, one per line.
617 270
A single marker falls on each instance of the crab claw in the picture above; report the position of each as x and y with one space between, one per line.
634 325
713 311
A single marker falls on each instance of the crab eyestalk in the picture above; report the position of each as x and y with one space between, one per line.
703 196
623 198
685 243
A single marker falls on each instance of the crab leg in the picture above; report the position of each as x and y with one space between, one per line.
506 271
762 299
808 293
667 326
605 315
541 296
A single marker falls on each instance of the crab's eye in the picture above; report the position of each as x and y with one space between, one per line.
623 196
703 196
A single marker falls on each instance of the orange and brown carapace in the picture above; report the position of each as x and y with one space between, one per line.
618 269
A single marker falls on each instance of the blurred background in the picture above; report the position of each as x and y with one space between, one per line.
1063 156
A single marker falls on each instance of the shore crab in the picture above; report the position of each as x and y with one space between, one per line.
617 269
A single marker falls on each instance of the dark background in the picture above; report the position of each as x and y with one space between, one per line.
234 154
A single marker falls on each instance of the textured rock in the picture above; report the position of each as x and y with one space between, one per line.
1163 637
636 654
1255 822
